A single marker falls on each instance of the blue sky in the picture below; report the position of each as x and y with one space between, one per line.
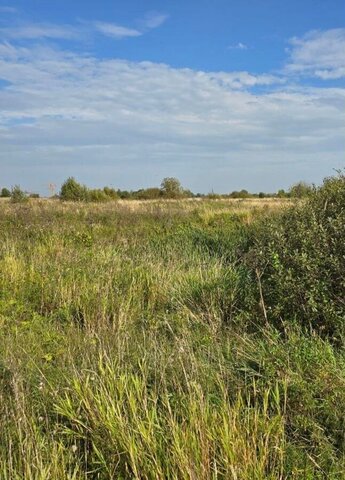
222 94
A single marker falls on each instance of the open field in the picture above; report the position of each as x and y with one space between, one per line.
159 340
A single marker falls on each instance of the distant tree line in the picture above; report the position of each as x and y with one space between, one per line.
17 195
170 188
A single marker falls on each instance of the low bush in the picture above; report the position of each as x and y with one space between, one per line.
299 258
18 196
5 193
97 195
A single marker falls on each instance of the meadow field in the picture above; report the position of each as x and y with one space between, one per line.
195 340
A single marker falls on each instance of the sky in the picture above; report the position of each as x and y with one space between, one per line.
222 94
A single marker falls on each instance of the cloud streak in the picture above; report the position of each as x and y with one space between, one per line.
40 30
238 46
116 31
34 31
154 20
151 21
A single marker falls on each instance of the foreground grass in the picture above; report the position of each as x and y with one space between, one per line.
134 345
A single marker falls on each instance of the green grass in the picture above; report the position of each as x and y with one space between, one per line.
133 345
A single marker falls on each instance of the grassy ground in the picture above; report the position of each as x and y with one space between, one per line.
134 344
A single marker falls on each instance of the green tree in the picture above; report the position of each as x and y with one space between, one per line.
150 193
97 195
111 193
17 195
73 191
241 194
5 193
171 188
300 190
281 193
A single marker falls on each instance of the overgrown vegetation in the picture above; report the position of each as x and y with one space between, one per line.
18 195
173 340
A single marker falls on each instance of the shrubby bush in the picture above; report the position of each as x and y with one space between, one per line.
17 195
73 191
152 193
5 193
300 260
300 190
111 193
97 195
240 194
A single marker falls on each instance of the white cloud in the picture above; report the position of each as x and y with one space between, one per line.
318 53
116 31
154 20
64 113
238 46
150 21
35 31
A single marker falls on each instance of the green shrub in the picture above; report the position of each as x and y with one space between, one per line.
111 193
151 193
97 195
73 191
300 258
5 193
300 190
17 195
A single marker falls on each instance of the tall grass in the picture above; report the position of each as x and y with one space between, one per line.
131 348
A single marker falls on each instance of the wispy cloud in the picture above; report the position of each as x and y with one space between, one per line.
238 46
40 30
116 31
6 9
319 54
34 31
153 20
149 22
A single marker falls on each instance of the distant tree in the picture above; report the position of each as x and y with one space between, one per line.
188 193
171 188
111 193
300 190
97 195
5 193
17 195
34 195
282 194
73 191
262 195
151 193
213 196
124 194
241 194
